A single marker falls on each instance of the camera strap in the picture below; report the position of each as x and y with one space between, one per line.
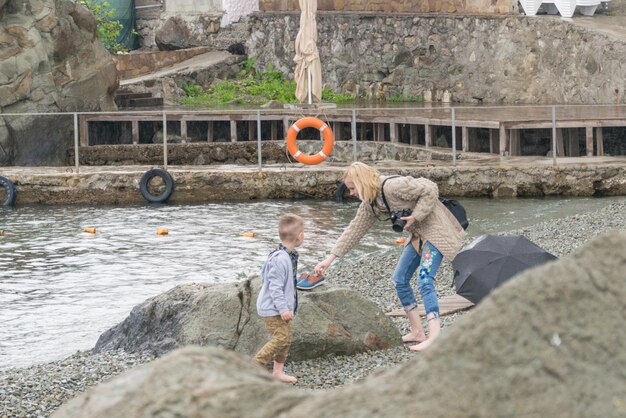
382 191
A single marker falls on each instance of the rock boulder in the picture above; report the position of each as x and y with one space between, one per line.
329 321
549 343
191 382
50 61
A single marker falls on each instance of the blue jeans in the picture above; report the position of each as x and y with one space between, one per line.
428 265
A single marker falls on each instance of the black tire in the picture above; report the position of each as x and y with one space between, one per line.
340 192
169 185
9 188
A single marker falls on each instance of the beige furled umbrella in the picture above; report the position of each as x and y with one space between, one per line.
308 73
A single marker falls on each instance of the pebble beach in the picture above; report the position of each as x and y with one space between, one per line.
38 390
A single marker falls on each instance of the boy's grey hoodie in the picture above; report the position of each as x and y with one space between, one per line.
278 290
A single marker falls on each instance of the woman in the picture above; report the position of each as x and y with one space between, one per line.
435 233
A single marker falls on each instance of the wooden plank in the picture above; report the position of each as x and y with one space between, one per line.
464 139
514 139
336 130
573 150
251 130
233 131
560 143
135 131
393 132
472 140
428 138
504 141
589 141
273 130
183 130
447 306
414 140
84 131
210 135
599 142
286 127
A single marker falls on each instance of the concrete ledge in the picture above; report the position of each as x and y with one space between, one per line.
141 63
507 178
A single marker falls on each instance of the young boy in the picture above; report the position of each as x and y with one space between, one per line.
278 299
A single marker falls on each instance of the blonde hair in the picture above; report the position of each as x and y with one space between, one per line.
365 179
289 226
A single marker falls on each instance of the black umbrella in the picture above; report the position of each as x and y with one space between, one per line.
491 260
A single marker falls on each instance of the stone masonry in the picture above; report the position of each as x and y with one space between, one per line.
511 59
399 6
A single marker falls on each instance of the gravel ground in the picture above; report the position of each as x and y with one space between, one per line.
38 390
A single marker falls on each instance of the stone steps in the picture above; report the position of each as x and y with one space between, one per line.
130 100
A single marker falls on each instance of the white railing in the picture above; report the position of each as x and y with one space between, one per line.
573 116
565 8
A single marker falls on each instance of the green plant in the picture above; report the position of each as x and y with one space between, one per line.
108 28
192 90
402 98
331 96
252 86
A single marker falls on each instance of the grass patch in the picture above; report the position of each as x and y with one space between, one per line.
408 99
254 87
258 86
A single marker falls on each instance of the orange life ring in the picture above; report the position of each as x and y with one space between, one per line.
327 134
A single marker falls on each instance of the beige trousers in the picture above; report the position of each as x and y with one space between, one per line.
277 348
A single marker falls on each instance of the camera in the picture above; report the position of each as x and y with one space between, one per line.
398 224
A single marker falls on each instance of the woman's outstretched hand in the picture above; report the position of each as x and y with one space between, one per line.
323 265
409 222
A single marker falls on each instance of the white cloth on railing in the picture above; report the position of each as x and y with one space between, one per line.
565 8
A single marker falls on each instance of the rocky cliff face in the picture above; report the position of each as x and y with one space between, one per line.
50 61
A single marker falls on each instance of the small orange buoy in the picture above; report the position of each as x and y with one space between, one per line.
162 231
90 230
249 234
401 241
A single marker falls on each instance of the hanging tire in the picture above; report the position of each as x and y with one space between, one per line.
9 189
145 181
340 192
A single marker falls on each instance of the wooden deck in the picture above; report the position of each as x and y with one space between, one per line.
447 305
504 123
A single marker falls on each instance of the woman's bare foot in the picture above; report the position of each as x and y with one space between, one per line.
434 324
421 346
414 338
283 377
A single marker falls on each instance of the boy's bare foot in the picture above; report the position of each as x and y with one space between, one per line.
413 338
283 377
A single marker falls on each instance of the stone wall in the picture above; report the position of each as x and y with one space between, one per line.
245 153
193 6
190 22
50 60
399 6
513 59
236 9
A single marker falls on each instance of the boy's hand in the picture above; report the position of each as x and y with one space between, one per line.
286 316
